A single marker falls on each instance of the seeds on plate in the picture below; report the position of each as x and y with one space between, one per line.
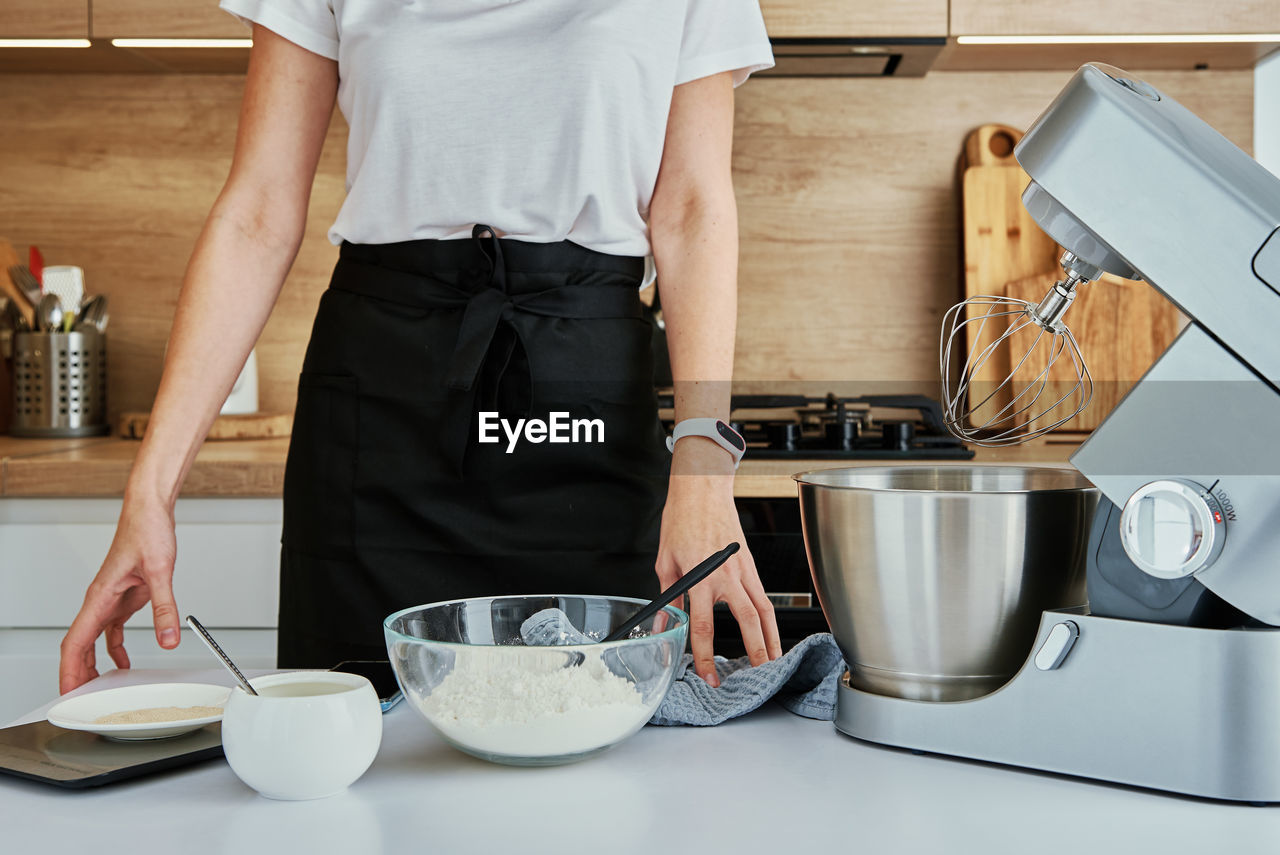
154 715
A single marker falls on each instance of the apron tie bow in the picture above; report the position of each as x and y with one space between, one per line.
491 328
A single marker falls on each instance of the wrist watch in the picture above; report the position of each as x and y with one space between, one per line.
716 430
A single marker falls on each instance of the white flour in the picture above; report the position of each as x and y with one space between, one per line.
532 707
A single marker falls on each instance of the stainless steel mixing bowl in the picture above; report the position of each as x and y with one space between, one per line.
933 577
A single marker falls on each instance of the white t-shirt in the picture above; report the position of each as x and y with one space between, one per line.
543 118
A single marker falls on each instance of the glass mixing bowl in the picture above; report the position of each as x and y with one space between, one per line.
463 666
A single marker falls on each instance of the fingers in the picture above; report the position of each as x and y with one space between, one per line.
77 664
744 612
702 630
764 608
668 574
115 645
165 610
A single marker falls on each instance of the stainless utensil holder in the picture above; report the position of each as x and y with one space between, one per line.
59 384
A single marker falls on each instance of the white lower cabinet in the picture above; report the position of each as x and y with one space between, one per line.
227 574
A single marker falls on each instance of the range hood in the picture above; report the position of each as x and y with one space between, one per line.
853 57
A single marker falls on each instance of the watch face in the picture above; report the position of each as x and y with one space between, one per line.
734 438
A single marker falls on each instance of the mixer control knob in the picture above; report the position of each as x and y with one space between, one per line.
1172 528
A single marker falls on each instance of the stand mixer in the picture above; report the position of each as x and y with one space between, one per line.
1170 678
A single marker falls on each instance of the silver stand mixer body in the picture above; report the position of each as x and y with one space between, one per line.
1143 689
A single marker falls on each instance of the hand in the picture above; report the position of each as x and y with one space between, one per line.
138 568
699 519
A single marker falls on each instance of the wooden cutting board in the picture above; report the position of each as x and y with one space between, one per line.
248 426
1001 241
1121 326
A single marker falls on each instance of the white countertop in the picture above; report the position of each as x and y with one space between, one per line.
769 782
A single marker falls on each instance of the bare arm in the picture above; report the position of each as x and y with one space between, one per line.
237 269
242 256
693 224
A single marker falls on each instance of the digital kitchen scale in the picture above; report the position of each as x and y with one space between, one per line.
73 759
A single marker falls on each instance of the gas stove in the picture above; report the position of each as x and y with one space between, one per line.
830 427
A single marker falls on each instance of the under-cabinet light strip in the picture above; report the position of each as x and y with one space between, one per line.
182 43
45 43
1143 39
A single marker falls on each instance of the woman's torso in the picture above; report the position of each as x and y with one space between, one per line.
543 117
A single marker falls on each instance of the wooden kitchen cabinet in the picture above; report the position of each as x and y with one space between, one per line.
155 19
854 18
1101 17
38 19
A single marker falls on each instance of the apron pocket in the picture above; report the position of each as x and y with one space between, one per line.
319 473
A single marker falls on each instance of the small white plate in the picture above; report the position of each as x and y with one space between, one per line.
82 711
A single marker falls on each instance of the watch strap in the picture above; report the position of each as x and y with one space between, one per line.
716 430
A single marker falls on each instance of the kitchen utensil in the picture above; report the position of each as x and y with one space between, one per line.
133 425
26 282
302 735
35 263
13 319
933 578
83 711
8 288
682 586
1171 678
553 627
463 669
93 313
1048 383
1121 325
59 384
67 283
48 314
217 651
1008 255
1001 240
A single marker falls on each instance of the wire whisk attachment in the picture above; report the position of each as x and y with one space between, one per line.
1022 373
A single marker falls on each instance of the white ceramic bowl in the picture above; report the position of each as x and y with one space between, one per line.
82 711
306 735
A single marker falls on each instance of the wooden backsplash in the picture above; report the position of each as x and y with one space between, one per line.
849 210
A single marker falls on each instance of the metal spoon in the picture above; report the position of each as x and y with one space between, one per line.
93 313
48 313
217 651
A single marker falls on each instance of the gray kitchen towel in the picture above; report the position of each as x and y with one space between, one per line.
803 680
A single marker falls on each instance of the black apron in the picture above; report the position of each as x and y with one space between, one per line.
390 500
